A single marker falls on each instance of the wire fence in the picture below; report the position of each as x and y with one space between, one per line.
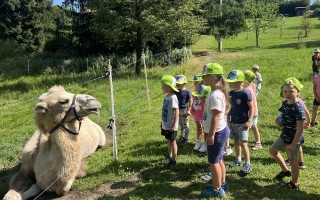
118 112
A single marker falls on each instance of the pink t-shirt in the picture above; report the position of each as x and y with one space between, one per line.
197 109
254 99
316 84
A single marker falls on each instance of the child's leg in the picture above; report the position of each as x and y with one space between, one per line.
237 149
300 158
186 126
256 134
199 129
223 171
244 146
174 149
169 148
278 157
216 172
314 113
294 170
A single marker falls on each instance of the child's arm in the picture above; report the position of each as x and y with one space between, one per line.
315 91
190 103
297 136
307 113
278 122
175 119
214 124
251 112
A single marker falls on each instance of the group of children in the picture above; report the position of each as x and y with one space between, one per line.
222 115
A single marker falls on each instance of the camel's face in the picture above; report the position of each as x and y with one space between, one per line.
55 104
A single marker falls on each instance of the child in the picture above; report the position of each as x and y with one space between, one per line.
215 125
170 117
258 79
315 60
250 86
197 108
240 118
185 105
316 101
291 122
202 96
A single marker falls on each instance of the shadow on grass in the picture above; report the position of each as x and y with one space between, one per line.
294 45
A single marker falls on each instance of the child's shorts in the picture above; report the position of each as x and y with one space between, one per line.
316 103
215 151
237 132
254 121
280 145
169 135
198 115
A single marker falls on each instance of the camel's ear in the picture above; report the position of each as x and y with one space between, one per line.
40 108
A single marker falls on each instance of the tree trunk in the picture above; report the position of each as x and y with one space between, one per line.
139 50
257 37
220 44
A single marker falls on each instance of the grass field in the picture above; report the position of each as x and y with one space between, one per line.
141 148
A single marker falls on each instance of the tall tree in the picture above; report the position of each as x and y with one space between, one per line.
224 20
26 22
141 21
262 15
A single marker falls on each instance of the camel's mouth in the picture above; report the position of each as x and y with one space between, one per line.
92 110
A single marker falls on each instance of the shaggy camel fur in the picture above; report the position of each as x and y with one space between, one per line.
54 154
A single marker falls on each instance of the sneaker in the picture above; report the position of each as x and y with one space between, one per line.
287 162
235 163
224 186
247 168
302 165
227 151
207 177
314 123
291 185
203 148
171 163
257 147
213 193
183 141
197 146
166 159
282 174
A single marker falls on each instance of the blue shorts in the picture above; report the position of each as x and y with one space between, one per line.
215 151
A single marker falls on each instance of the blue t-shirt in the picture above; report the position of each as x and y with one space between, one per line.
239 112
290 113
183 98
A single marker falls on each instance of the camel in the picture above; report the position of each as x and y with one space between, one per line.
53 157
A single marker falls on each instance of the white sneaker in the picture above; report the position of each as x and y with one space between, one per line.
197 146
228 151
203 148
206 177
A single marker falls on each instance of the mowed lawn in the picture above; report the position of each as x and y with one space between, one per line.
141 148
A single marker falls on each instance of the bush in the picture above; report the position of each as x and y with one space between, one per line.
10 49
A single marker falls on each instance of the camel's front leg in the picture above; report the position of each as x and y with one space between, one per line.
32 191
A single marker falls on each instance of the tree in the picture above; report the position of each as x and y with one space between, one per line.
136 23
26 22
225 21
306 24
262 15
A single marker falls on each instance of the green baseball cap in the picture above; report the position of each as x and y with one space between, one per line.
169 81
181 79
202 92
235 76
291 81
249 75
212 68
197 77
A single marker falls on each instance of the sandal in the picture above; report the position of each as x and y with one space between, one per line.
314 123
291 185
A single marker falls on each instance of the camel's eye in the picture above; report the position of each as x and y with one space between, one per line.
64 101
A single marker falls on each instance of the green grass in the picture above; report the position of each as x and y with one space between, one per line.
141 148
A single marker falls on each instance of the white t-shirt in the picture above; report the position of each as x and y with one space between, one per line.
215 101
169 103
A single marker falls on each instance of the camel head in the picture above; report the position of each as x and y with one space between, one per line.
58 105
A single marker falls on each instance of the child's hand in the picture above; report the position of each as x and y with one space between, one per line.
247 124
290 147
188 113
306 125
210 140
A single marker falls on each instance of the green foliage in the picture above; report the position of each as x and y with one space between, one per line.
262 16
306 24
26 22
288 7
10 49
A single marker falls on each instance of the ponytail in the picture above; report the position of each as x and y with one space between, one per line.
223 87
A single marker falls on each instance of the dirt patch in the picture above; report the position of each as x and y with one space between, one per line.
109 189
